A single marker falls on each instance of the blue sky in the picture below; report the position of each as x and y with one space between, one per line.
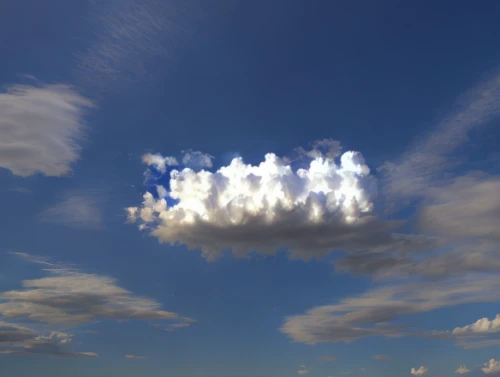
361 264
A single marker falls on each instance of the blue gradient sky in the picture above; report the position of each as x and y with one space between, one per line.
235 78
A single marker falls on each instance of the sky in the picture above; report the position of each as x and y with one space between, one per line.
249 188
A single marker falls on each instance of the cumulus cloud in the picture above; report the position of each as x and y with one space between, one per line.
197 160
419 372
271 206
381 357
80 210
462 370
375 312
159 162
68 297
491 367
481 326
41 128
303 370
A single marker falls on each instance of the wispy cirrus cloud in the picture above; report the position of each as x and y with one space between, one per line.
135 357
131 37
41 128
76 210
422 166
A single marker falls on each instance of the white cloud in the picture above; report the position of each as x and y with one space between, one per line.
77 211
271 206
159 162
40 129
481 326
493 366
462 370
197 160
420 371
68 298
303 370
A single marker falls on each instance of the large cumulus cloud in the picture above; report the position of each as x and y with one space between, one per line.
327 205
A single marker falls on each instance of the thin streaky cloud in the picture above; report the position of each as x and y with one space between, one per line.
77 210
132 36
409 176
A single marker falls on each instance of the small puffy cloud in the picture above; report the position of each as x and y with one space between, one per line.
303 370
491 367
462 370
159 162
327 358
40 129
68 297
128 356
196 160
328 148
420 371
269 207
481 326
77 211
381 357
